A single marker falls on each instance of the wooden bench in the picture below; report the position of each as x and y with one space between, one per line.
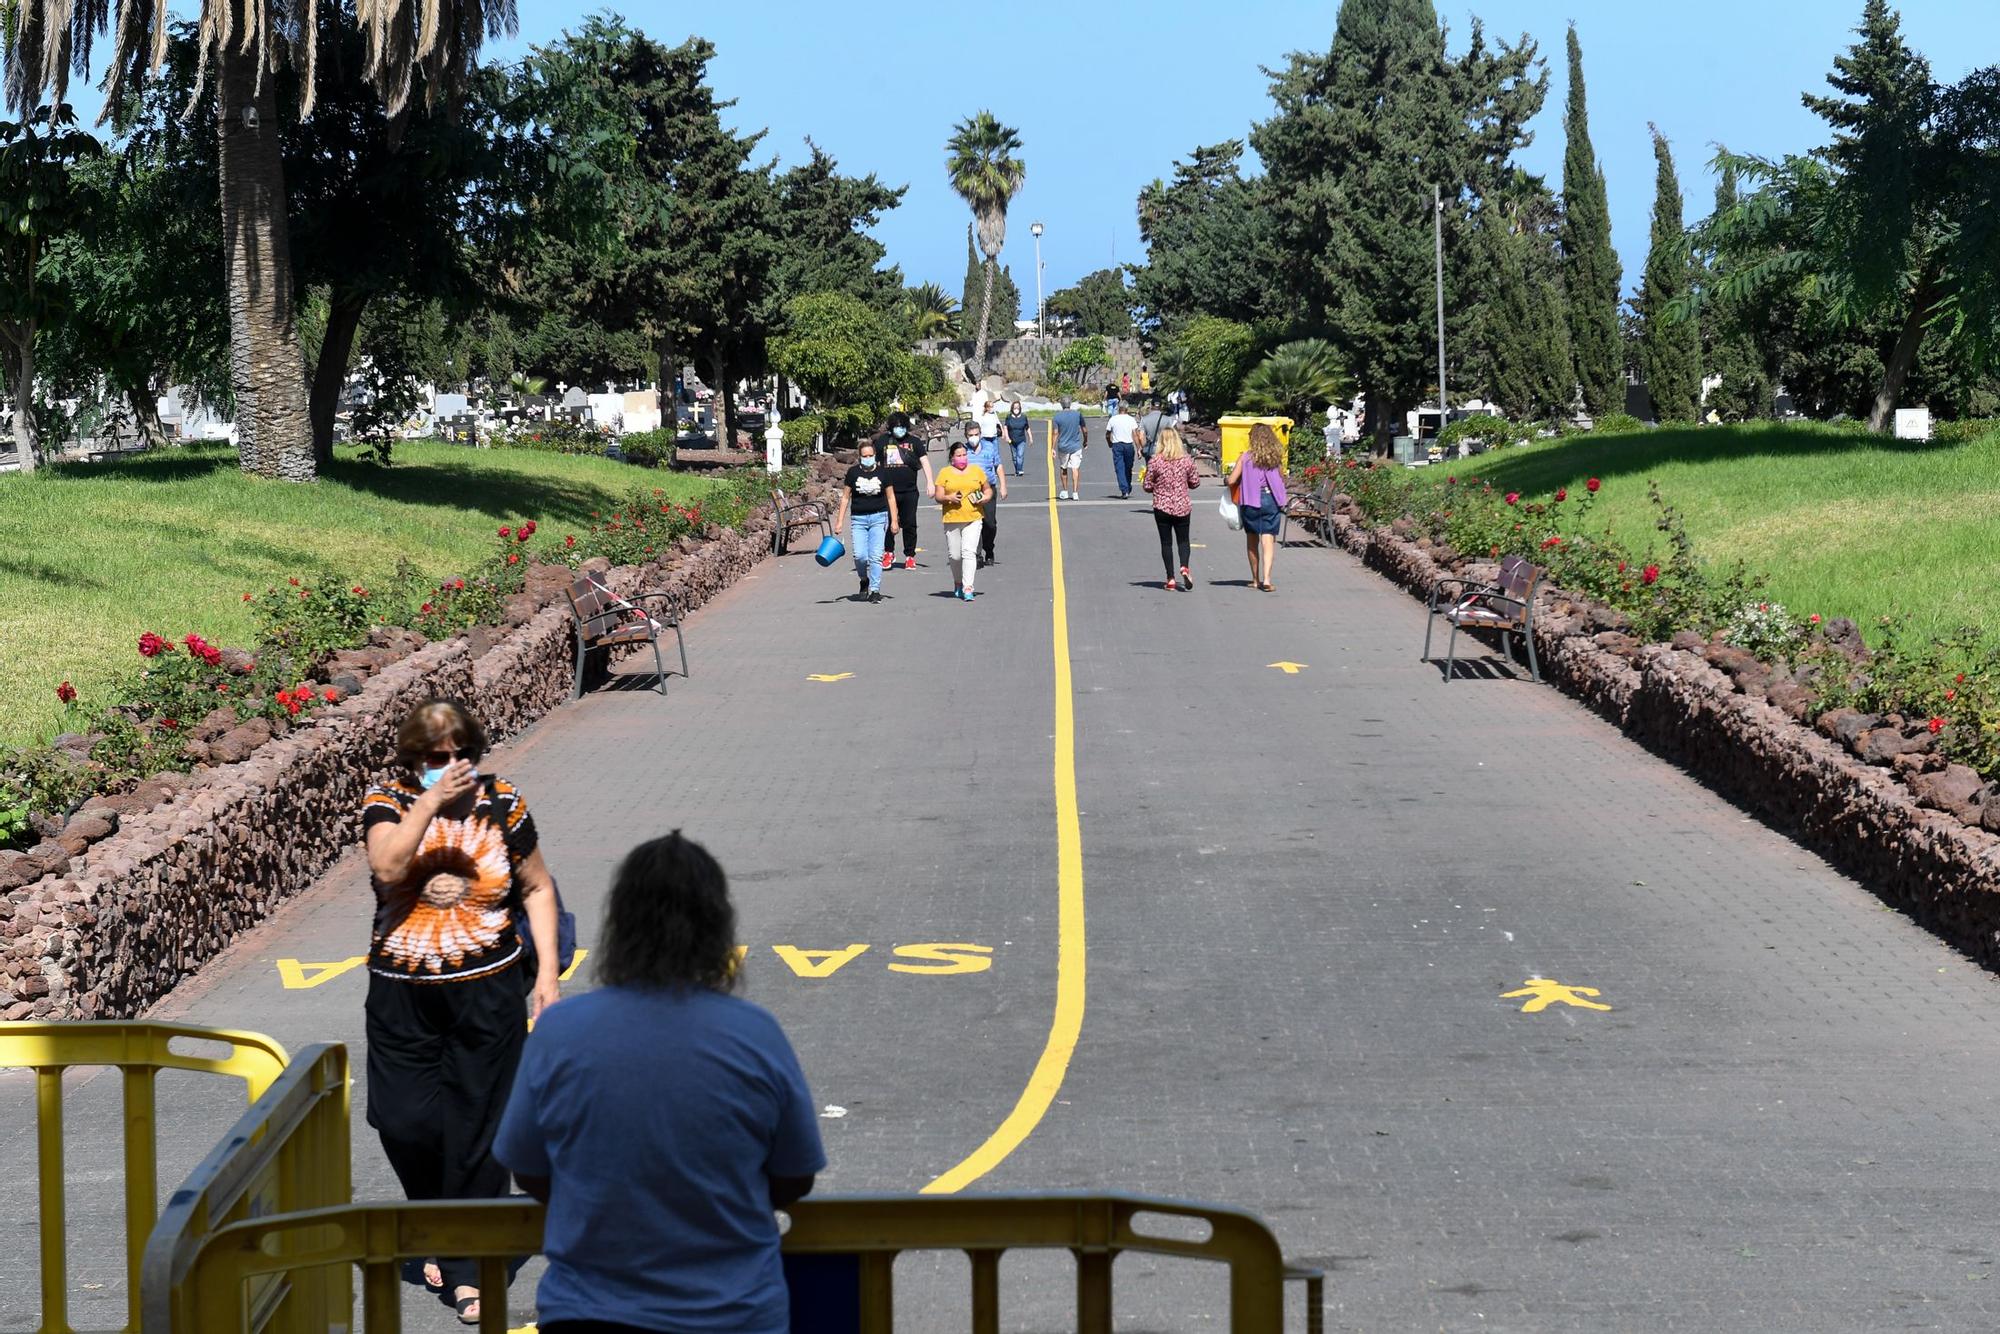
604 621
1506 607
1312 512
793 514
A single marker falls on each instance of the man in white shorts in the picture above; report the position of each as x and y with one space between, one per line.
1069 450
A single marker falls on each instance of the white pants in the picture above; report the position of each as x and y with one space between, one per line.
961 542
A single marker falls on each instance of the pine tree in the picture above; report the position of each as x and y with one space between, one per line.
1669 343
1360 138
1735 333
1590 266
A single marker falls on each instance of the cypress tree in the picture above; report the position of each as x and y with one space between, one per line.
1532 374
1669 343
1006 296
1735 331
1590 266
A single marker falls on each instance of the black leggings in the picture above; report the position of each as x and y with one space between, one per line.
1173 527
989 529
906 521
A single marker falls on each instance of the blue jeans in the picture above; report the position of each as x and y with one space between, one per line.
1017 448
1121 465
865 535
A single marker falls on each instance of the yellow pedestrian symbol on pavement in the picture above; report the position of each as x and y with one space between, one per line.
830 676
1288 668
1542 992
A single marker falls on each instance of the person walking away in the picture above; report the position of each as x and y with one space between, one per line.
1017 427
454 860
1145 379
986 456
962 487
1170 477
906 466
662 1120
1125 385
1068 426
1258 477
868 511
1121 431
1111 400
989 424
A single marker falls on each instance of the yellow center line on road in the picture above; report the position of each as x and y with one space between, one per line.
1067 1025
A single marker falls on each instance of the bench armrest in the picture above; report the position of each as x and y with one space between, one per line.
670 599
1466 587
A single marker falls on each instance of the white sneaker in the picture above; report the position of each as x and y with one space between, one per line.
1062 495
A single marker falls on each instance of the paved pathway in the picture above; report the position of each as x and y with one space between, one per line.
1303 899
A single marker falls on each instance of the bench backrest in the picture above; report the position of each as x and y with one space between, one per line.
596 608
1518 578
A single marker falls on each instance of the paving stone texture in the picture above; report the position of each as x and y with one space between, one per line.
1306 895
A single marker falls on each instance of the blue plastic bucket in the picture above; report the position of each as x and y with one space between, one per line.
830 550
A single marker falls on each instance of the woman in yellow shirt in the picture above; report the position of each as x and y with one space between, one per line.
961 488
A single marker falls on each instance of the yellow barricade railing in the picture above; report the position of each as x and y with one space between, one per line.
289 1153
140 1051
212 1293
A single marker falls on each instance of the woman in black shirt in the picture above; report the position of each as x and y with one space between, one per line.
906 464
866 496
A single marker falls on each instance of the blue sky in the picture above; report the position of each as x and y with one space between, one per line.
1108 96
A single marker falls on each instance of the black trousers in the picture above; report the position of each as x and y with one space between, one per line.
441 1059
989 531
906 521
1172 527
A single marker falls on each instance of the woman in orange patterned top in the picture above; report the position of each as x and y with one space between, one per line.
455 860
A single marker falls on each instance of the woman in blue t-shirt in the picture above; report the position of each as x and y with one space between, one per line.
662 1120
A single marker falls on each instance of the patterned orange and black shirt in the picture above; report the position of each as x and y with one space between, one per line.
452 917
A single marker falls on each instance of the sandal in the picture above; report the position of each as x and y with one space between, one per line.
433 1276
464 1304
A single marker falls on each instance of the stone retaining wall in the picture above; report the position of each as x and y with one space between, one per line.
1749 738
154 883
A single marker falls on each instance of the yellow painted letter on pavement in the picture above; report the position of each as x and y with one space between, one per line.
817 963
575 962
946 957
304 976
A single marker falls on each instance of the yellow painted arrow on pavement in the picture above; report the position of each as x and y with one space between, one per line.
836 676
1288 668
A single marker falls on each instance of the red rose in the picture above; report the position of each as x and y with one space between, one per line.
425 609
521 536
1814 618
529 527
1961 678
507 532
246 597
1936 725
458 585
1551 542
1649 575
152 646
330 695
66 693
175 722
1949 695
1592 485
513 558
1451 481
1513 497
293 582
570 541
1621 567
292 707
1562 494
304 593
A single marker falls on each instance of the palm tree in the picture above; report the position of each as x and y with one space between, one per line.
986 174
930 312
1296 379
245 41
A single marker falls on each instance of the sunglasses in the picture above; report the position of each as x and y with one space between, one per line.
437 759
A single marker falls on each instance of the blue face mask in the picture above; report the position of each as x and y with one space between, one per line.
429 778
898 431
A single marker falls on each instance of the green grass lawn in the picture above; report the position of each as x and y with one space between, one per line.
170 541
1845 524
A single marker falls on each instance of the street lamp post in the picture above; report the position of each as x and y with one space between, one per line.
1036 229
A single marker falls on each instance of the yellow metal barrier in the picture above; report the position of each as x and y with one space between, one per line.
140 1050
226 1266
290 1153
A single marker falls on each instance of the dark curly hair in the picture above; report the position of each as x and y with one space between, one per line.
669 923
896 419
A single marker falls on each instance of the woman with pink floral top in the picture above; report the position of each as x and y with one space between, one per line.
1170 477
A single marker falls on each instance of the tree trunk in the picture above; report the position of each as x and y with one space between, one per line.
343 320
670 398
146 412
1903 356
267 370
24 396
985 314
725 394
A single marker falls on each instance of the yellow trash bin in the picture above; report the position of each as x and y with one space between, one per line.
1236 437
